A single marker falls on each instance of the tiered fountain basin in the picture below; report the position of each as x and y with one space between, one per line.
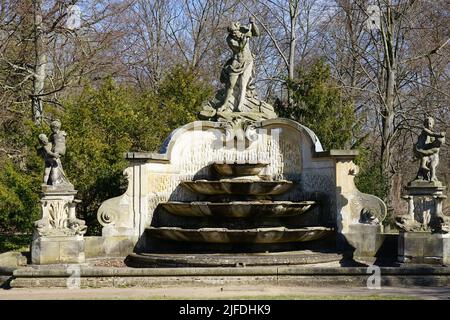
239 169
238 182
248 236
239 209
238 187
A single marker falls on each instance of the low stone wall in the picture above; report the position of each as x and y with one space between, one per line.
283 276
96 247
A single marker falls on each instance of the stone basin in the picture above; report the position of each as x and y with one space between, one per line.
238 187
238 209
238 169
223 235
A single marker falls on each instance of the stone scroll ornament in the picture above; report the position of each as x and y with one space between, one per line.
237 104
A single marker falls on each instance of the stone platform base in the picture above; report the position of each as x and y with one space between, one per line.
57 249
152 260
424 247
91 277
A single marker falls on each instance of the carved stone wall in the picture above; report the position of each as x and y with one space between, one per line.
292 152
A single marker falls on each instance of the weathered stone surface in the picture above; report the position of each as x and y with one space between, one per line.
352 202
58 235
239 169
287 276
423 247
229 260
238 103
57 249
94 247
238 209
12 260
366 239
238 187
292 152
59 214
425 208
118 246
223 235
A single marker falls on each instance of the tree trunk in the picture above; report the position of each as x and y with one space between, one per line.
388 109
39 64
293 12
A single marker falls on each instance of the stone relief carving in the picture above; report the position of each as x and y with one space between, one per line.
424 214
58 218
368 217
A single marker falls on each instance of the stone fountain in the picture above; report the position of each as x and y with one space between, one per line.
238 181
239 188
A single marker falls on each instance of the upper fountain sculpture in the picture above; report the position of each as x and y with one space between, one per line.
238 99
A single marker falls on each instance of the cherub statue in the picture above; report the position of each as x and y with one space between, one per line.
51 151
427 150
58 138
240 66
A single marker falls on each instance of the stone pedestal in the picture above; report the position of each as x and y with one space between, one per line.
58 249
424 247
425 200
58 235
424 237
366 239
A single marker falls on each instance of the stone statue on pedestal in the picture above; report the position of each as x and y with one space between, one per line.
424 230
58 235
425 193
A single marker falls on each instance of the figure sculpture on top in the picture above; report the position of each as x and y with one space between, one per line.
427 150
240 66
239 94
51 150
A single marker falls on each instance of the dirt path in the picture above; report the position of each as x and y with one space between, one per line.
230 292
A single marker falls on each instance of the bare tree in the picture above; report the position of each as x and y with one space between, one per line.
393 69
56 56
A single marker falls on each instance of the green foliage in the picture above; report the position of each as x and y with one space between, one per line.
98 124
371 179
14 242
317 103
18 198
20 178
104 123
176 102
101 124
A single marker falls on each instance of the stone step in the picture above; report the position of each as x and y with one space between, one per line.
152 260
62 276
